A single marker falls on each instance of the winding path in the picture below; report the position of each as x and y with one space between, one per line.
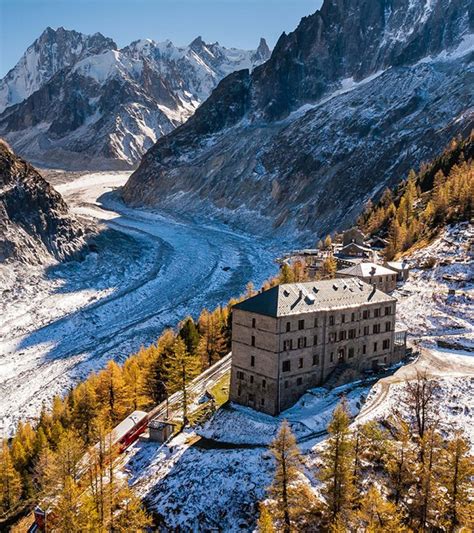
187 266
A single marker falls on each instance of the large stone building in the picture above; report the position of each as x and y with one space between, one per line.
292 337
382 278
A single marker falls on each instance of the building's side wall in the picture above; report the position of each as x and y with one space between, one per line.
254 374
296 353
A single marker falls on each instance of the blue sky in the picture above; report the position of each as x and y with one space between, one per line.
237 23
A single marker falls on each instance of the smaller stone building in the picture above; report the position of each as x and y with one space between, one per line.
401 268
294 336
380 277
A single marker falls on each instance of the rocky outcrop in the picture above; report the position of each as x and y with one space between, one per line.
104 107
35 224
357 94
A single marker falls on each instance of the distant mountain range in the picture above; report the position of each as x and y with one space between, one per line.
77 101
347 103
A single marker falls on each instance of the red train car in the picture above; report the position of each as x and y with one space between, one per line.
130 429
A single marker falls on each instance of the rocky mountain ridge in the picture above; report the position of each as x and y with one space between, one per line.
347 103
88 104
35 224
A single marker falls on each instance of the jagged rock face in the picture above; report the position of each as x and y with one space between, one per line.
34 221
348 102
105 109
51 52
348 39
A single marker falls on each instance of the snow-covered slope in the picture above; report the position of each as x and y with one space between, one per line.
51 52
347 103
103 107
231 450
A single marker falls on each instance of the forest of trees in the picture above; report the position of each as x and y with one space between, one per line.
42 461
71 426
403 474
441 193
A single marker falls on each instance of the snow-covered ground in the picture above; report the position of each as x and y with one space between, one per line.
214 476
425 305
60 322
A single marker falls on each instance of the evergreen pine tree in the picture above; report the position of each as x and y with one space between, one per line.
190 335
289 495
265 520
10 481
336 473
181 368
377 514
456 478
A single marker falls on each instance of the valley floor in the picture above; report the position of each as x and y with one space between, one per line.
146 272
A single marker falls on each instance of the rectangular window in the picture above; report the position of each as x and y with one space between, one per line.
388 326
331 358
376 313
353 317
299 381
316 322
288 326
252 360
386 344
262 401
253 340
343 318
240 375
254 322
300 362
388 310
352 334
351 352
286 384
366 330
287 345
332 337
331 320
300 324
376 328
375 347
239 390
251 379
315 340
315 359
286 366
264 383
342 335
364 349
302 342
366 314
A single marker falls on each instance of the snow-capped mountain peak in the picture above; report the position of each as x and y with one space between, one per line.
51 52
82 101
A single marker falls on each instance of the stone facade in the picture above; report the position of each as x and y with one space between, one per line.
278 354
380 277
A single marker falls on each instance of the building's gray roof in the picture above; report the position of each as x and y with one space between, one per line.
159 424
359 247
366 270
296 298
398 265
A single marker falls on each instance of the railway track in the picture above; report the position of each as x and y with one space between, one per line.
199 385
